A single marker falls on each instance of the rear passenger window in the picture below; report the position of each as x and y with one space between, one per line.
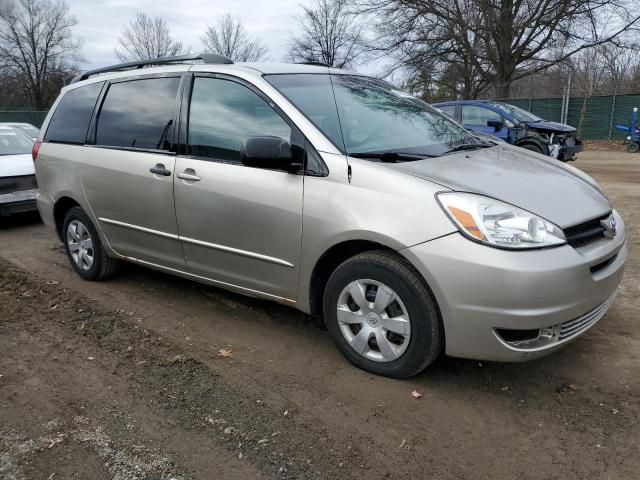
70 121
224 114
138 114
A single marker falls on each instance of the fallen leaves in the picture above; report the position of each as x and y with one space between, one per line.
223 352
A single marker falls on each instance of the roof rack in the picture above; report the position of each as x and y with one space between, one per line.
205 57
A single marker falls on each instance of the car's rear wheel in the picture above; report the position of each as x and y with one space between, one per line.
84 248
381 315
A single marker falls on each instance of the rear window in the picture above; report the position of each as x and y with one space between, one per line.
70 121
138 114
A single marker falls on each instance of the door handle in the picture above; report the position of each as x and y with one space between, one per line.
189 174
159 169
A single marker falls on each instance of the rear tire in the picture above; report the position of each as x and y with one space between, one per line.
633 147
373 338
84 249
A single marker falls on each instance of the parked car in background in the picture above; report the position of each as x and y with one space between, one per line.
17 174
27 128
334 193
515 126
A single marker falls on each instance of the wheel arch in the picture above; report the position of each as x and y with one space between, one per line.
533 141
60 209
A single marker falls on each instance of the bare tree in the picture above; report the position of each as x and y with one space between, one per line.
228 37
496 41
329 33
146 38
37 48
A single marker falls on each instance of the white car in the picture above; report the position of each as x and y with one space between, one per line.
17 173
27 128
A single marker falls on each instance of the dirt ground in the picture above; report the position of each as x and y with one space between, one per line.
124 380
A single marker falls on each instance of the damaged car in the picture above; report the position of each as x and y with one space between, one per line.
516 126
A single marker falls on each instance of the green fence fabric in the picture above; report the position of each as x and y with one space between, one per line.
601 114
34 118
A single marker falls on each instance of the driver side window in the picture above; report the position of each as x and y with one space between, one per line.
223 114
476 115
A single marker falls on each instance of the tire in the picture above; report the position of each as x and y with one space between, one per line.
532 148
406 355
78 224
633 147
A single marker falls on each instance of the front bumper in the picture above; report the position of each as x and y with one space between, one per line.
17 202
482 291
569 153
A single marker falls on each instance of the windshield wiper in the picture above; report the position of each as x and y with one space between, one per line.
469 146
391 156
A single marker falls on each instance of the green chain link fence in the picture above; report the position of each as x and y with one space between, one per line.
599 115
32 117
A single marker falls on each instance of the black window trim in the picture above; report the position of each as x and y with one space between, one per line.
93 124
183 123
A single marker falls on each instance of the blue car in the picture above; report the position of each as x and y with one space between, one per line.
515 126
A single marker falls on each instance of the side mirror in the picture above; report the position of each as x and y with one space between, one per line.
268 152
496 124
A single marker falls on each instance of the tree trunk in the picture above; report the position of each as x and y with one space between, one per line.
503 89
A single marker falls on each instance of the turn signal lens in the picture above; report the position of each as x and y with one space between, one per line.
468 223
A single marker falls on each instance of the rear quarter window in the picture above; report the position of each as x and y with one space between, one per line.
70 121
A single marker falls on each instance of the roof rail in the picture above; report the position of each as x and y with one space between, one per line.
317 64
205 57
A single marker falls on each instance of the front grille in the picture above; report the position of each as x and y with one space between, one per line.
574 327
585 233
524 340
17 184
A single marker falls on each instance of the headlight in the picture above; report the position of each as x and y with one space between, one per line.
497 223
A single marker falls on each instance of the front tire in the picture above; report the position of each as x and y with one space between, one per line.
382 316
84 249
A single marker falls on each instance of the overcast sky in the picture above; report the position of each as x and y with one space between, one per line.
100 22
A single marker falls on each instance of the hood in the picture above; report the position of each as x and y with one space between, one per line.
16 165
551 126
511 174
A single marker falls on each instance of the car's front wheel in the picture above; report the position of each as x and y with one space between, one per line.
382 316
84 248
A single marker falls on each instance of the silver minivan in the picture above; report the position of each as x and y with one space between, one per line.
335 193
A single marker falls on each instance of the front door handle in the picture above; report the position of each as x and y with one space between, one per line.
189 174
159 169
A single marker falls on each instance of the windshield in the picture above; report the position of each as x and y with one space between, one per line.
367 115
13 142
518 113
29 130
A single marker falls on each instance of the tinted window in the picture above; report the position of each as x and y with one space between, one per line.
70 121
449 110
138 114
475 115
224 114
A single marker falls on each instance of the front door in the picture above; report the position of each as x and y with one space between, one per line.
128 174
239 226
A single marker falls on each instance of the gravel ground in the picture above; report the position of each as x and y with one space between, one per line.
126 380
